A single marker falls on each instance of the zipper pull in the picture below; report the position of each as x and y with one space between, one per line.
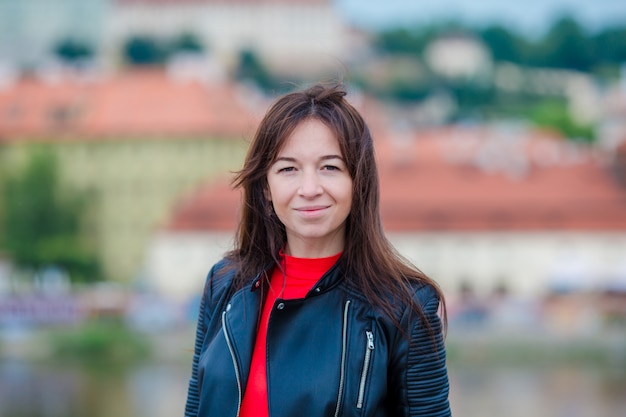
370 340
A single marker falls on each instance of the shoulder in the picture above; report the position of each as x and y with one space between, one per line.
218 282
412 296
220 275
424 293
426 299
420 307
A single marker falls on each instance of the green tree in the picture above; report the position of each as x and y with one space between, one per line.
566 45
144 50
251 68
399 41
503 44
73 51
412 41
610 45
187 42
42 224
555 115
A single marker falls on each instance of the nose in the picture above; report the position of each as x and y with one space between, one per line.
310 185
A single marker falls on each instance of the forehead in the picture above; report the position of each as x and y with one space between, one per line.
310 135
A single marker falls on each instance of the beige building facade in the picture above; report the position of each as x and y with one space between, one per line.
294 35
132 185
135 144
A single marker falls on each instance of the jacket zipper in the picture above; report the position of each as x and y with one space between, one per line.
344 345
232 354
366 366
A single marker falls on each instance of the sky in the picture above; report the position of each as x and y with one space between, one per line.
531 17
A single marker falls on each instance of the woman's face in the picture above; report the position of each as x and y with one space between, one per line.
311 191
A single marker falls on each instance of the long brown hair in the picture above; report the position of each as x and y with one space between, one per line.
368 259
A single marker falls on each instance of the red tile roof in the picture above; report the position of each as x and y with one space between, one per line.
141 102
483 183
215 207
450 180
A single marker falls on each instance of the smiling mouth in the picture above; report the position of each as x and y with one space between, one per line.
311 210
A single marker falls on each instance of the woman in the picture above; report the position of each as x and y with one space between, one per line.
313 313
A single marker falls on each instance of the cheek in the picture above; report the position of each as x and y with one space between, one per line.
272 189
349 189
276 196
345 194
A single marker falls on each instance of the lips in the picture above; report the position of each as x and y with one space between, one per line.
311 210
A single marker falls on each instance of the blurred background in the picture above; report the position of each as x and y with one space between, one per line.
500 132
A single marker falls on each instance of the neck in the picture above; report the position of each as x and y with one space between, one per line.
312 249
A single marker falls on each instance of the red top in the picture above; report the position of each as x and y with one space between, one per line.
300 276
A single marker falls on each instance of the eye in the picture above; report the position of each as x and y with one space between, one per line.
331 168
287 169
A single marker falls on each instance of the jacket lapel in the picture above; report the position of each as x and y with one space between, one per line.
242 315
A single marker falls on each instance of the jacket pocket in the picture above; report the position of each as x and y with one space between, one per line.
367 360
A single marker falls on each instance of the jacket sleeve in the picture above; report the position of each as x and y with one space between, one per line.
193 391
421 376
206 303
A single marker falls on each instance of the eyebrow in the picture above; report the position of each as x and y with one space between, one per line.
323 158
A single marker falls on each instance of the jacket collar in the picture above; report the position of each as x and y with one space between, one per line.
329 280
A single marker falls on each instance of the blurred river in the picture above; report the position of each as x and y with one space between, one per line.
159 390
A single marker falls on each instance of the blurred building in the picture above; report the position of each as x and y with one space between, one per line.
612 126
288 35
30 30
504 207
459 57
134 141
300 36
486 208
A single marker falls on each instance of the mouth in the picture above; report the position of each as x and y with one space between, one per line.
311 210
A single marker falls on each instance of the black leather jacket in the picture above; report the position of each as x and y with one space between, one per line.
328 354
